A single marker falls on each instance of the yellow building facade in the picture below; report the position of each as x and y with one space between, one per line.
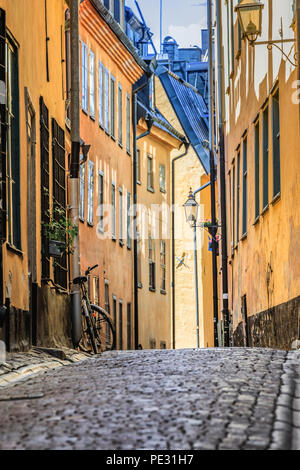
262 157
35 118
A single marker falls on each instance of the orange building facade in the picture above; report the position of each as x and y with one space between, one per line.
108 71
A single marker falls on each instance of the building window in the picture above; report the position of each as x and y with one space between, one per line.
162 178
138 166
106 297
152 342
90 193
101 201
139 273
257 168
152 285
81 191
96 291
68 64
121 220
276 144
101 90
59 196
245 186
84 77
129 326
120 325
266 157
120 115
128 114
163 266
112 107
92 85
113 211
115 312
150 173
13 145
106 99
238 176
128 221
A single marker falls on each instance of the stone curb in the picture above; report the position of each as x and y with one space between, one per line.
26 372
284 434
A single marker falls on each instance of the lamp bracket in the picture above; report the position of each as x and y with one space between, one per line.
275 43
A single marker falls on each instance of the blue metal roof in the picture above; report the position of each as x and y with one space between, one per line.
191 112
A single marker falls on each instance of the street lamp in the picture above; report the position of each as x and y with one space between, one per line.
250 18
191 209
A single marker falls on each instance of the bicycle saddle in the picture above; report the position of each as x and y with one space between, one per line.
80 280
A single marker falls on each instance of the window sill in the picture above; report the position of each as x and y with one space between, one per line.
84 111
265 209
163 191
276 198
163 292
151 190
152 289
138 182
113 239
81 220
120 145
121 243
128 152
14 250
128 248
107 132
243 237
113 138
93 118
140 285
101 126
90 224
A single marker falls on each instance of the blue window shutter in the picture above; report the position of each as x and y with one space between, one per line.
101 94
82 191
90 193
107 101
92 84
107 4
117 10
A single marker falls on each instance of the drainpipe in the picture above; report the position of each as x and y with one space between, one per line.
212 170
221 119
135 241
187 145
74 170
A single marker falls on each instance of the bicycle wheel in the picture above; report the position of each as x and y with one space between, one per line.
104 330
88 342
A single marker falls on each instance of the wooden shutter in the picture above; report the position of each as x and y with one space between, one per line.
45 200
101 118
3 127
59 195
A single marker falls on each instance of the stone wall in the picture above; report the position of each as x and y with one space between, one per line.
275 328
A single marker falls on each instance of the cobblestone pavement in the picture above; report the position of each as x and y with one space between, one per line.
159 400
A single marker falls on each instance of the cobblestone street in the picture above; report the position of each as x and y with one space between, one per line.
169 400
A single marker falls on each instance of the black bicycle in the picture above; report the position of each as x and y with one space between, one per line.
98 333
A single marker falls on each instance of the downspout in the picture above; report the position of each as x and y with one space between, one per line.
135 240
74 170
212 170
187 145
221 94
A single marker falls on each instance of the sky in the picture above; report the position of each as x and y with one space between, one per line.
182 19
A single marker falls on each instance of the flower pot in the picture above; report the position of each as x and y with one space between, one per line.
56 248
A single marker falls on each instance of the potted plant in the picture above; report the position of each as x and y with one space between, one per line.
60 232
